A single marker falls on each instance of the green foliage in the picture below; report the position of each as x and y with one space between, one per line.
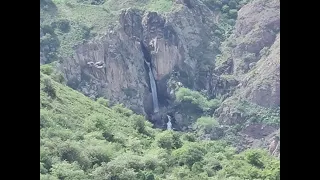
225 8
231 22
160 5
72 22
195 99
49 70
92 2
188 154
233 4
48 88
46 69
119 108
139 123
206 124
103 101
67 171
168 140
233 13
49 43
62 24
188 137
85 139
257 114
253 164
225 5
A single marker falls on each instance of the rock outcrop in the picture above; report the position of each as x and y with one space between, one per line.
175 41
257 33
251 56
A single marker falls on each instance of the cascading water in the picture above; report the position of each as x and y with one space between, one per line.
153 89
169 124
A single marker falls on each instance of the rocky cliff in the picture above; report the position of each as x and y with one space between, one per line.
251 56
113 65
185 48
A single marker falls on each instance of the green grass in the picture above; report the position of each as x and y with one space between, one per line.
160 5
96 17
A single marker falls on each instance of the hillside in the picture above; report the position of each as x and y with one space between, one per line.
160 89
85 139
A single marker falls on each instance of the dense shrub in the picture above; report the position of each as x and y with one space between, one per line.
84 139
48 88
196 99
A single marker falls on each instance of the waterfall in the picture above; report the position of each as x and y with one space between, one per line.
153 89
169 124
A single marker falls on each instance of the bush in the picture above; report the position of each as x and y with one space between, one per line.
85 31
225 8
188 154
149 176
231 22
119 108
67 171
58 77
46 69
48 88
45 118
189 137
168 140
49 44
196 99
217 32
232 4
233 13
138 123
206 124
63 25
254 158
103 101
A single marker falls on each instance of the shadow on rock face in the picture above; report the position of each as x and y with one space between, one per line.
147 103
163 94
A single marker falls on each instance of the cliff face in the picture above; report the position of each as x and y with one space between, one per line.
113 65
251 55
185 47
255 57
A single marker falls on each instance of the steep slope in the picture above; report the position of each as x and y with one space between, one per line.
83 139
251 55
210 60
169 42
175 36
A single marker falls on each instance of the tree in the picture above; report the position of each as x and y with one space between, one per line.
188 154
67 171
207 124
168 140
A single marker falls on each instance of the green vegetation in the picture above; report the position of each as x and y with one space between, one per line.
229 10
85 139
206 125
66 23
49 70
195 100
160 5
255 113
